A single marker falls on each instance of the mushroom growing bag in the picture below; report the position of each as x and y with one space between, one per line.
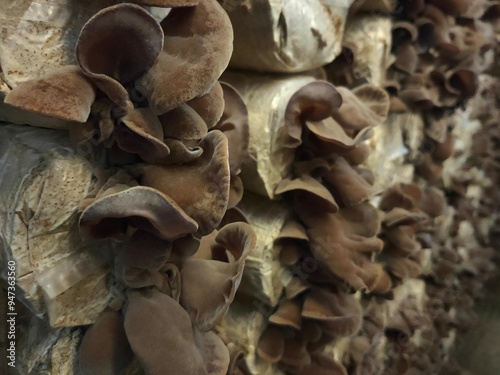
38 36
286 36
42 182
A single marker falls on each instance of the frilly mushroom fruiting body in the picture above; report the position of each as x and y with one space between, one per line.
152 317
342 243
141 133
302 326
197 48
234 124
201 187
105 348
64 94
140 38
191 296
143 207
311 120
209 286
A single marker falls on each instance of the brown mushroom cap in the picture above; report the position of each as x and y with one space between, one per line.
147 251
339 313
288 314
126 28
143 207
105 349
64 94
141 133
406 58
183 123
197 49
312 188
181 153
210 106
313 102
234 124
342 241
366 105
345 183
271 345
201 187
236 190
162 337
209 286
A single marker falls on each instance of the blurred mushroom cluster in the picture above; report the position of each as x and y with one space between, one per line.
250 187
172 139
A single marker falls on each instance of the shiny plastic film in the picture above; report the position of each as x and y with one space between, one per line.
286 36
43 182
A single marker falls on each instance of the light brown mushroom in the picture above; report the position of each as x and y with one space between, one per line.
340 314
105 349
343 244
147 251
140 206
162 337
183 123
210 106
136 34
181 152
271 345
64 94
362 107
201 187
209 286
196 50
312 188
234 124
288 314
140 132
312 103
345 183
235 192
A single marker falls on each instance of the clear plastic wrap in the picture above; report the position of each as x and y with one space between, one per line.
286 36
37 36
43 180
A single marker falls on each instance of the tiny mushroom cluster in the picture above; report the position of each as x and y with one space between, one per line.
147 93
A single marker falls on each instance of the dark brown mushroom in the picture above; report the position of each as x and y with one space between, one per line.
209 286
201 187
131 30
105 349
140 132
143 207
162 336
234 124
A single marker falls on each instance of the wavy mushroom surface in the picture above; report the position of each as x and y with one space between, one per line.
139 38
162 337
342 241
209 286
201 187
196 50
64 94
143 207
